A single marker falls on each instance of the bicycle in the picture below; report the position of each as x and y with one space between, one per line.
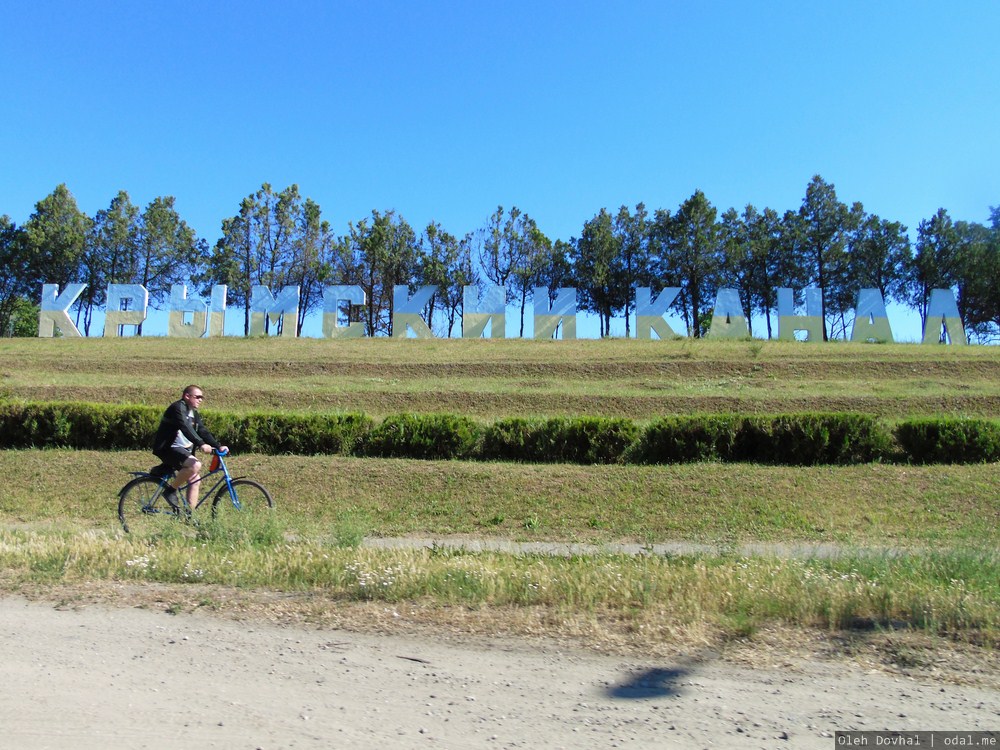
143 507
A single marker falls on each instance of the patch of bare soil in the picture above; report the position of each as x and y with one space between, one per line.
165 667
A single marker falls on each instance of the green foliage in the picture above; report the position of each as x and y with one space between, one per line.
301 434
73 425
810 439
584 440
949 441
798 440
429 436
790 439
682 439
108 427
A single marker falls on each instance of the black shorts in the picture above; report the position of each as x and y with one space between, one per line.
173 457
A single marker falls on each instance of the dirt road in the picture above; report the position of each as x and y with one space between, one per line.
99 677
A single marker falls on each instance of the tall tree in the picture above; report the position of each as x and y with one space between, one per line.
270 243
743 265
533 254
632 231
500 249
462 272
383 254
598 266
935 261
112 254
15 275
56 234
690 255
878 254
823 226
977 272
170 251
313 246
436 260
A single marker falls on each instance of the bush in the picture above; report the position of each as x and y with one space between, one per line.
811 439
428 436
107 427
797 439
73 425
949 441
585 440
302 434
682 439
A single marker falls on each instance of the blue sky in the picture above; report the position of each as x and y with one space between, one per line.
444 110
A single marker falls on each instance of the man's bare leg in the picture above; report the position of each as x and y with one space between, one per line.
189 473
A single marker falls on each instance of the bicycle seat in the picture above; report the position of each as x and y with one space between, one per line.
161 471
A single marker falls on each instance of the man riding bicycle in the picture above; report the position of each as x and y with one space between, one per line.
180 434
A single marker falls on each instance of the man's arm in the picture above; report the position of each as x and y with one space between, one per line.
203 436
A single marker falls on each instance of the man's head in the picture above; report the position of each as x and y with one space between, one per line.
193 396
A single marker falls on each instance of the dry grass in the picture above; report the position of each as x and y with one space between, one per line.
57 497
490 379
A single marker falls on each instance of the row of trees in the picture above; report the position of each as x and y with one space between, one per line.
278 239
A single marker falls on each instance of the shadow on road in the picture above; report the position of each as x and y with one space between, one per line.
651 683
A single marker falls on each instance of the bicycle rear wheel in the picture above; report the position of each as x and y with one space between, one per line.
252 500
142 507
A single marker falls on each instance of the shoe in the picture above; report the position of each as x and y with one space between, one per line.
170 495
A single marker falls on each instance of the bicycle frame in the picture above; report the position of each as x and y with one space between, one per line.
227 478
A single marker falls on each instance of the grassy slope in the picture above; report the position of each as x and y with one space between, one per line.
490 379
876 505
951 509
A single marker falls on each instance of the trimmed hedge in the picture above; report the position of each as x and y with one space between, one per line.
73 425
585 440
106 427
431 436
682 439
949 441
795 439
792 439
811 439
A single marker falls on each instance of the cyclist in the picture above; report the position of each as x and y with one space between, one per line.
180 434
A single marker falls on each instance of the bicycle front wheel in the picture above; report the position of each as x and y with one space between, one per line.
251 500
141 506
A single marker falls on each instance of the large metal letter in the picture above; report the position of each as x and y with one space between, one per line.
728 321
649 314
332 297
870 321
944 324
811 322
284 309
563 310
478 312
406 311
217 311
126 306
180 307
54 312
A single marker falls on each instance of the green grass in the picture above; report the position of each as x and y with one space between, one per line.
502 378
918 543
870 505
953 594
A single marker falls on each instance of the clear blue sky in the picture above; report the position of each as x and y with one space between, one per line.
444 110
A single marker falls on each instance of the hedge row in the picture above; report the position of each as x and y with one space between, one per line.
796 439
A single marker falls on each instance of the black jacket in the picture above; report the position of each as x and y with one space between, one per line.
174 421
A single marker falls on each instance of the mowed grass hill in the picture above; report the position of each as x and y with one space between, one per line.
914 547
491 379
